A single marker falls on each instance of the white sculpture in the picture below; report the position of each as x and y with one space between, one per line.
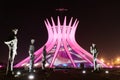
94 52
31 54
12 45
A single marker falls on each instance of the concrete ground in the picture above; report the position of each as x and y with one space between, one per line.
63 74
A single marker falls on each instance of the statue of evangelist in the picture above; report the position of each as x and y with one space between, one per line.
94 52
44 58
12 45
31 54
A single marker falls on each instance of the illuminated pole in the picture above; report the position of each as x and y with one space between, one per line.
31 54
12 45
94 52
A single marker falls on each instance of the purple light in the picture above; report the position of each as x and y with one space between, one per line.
0 66
62 36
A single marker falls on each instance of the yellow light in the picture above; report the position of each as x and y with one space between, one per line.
118 59
102 60
108 63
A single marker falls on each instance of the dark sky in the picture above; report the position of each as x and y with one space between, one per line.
99 24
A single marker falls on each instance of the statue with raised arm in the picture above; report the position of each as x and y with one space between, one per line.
12 45
44 58
31 54
94 52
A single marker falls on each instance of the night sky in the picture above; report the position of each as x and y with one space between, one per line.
99 24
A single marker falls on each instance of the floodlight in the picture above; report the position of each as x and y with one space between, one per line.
31 77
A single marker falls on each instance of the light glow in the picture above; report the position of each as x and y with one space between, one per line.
83 71
102 60
0 66
118 59
18 73
106 71
31 77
